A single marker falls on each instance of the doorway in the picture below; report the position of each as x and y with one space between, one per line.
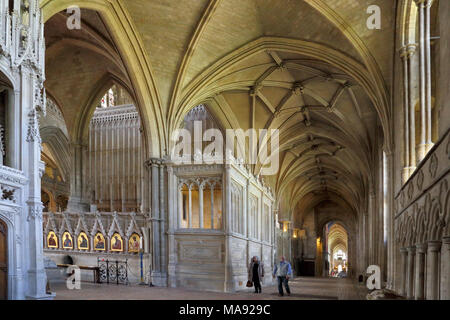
3 261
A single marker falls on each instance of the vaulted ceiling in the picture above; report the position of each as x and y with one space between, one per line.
310 68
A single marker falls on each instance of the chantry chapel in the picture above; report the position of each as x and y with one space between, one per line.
168 142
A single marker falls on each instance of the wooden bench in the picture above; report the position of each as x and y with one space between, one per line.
96 270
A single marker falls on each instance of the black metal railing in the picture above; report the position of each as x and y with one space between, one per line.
113 271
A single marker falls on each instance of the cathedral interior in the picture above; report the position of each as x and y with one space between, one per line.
340 113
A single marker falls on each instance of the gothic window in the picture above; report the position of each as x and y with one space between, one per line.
200 203
205 135
237 209
108 99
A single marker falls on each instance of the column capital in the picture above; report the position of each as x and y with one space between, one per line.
434 245
407 51
424 3
421 247
154 162
446 240
403 250
411 249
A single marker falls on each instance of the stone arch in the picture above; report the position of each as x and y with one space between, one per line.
59 146
82 129
139 69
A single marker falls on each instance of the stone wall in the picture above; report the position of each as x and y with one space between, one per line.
200 260
422 227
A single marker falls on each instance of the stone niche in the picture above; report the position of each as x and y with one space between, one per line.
222 216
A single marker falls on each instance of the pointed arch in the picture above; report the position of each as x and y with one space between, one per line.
135 59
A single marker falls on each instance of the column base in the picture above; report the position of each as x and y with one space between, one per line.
49 296
407 172
229 287
428 147
159 279
421 152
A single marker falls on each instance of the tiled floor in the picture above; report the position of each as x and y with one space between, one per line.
302 288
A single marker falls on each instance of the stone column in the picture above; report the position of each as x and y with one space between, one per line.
406 158
429 143
34 167
419 272
162 223
410 273
212 205
229 283
154 165
425 76
445 272
389 256
434 248
200 205
372 228
77 201
12 129
411 49
404 254
172 218
190 207
409 159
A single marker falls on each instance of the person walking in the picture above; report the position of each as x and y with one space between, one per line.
256 273
283 271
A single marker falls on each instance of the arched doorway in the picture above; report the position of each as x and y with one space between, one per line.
337 249
3 261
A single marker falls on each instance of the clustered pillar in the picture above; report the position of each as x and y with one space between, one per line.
407 53
410 273
420 269
157 195
425 143
422 276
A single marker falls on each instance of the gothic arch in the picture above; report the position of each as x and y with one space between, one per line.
59 146
139 69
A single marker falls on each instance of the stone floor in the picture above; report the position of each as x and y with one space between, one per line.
302 288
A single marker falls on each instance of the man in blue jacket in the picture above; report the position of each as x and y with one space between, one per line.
283 271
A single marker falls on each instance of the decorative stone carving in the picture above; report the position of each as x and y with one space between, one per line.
8 193
420 178
35 213
33 128
410 191
433 166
